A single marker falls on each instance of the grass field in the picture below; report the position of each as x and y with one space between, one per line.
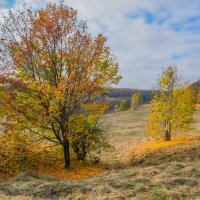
169 171
126 129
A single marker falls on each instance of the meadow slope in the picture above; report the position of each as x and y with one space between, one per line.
125 129
167 173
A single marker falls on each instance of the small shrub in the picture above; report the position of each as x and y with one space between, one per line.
124 105
89 139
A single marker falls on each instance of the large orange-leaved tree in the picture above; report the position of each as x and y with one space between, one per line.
51 70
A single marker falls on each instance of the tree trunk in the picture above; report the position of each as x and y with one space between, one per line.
66 153
168 131
167 136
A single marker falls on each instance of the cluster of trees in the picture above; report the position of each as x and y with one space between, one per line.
52 69
134 103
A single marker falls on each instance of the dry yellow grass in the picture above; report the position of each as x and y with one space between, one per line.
125 129
170 171
127 133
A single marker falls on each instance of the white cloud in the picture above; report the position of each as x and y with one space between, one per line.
3 3
142 49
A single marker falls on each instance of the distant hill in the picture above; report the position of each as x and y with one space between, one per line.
124 93
116 95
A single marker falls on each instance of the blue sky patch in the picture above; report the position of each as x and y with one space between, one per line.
150 17
177 57
176 27
190 24
6 3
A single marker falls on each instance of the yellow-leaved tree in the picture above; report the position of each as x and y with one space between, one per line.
172 108
136 100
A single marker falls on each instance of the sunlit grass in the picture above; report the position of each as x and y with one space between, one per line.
156 145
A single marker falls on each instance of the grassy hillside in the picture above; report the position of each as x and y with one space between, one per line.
169 171
126 129
164 175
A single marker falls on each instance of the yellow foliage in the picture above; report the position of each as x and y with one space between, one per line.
19 154
172 108
53 74
156 145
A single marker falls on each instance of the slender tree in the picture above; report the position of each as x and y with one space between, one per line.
172 108
136 100
51 67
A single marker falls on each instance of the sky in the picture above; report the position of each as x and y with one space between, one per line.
146 36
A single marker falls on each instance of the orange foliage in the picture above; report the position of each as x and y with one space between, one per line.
155 145
78 170
19 155
57 67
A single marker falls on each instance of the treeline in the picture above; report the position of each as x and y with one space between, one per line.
116 96
126 93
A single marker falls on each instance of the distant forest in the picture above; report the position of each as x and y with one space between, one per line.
126 93
116 95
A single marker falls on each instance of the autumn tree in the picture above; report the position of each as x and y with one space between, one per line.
136 100
172 107
51 69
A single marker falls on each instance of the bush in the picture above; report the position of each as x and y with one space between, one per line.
124 105
88 140
17 154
